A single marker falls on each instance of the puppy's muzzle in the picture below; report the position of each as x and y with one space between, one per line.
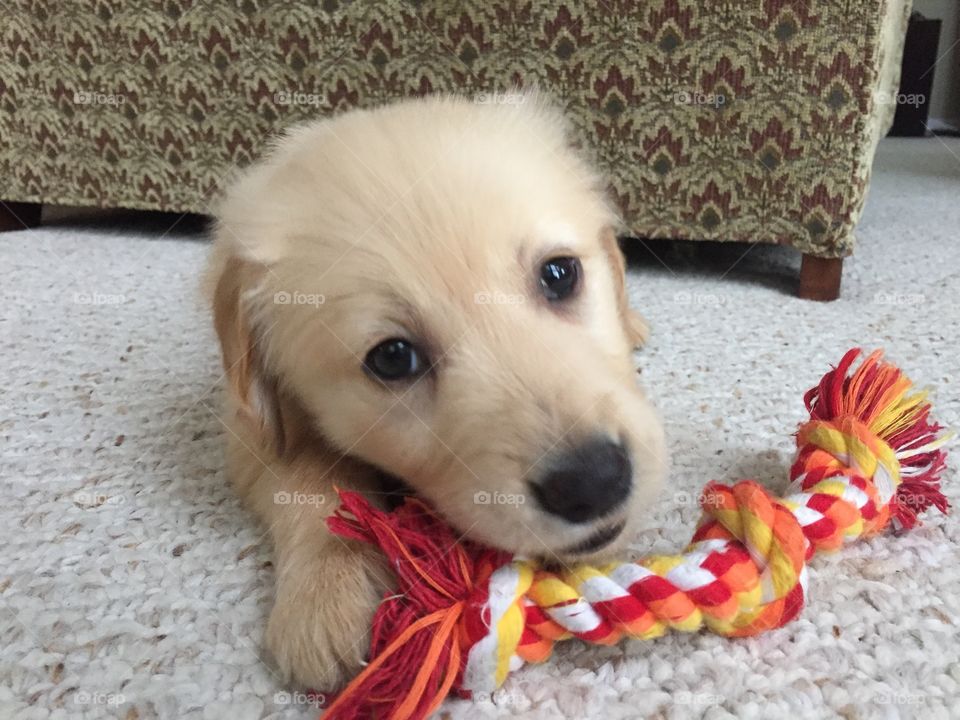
585 482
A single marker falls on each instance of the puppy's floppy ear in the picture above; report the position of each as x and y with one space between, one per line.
267 411
634 325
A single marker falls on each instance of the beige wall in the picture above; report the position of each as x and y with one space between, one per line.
945 103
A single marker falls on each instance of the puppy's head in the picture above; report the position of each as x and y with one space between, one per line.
438 287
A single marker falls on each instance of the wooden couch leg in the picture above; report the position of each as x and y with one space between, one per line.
19 215
820 277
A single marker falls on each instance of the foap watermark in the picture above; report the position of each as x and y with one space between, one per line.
899 298
699 699
891 97
498 298
915 500
503 698
695 499
298 498
297 98
82 697
95 97
482 497
307 699
500 97
89 498
298 298
901 698
98 298
698 97
700 299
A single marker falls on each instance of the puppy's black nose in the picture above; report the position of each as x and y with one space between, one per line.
585 482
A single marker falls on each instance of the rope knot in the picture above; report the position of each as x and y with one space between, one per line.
871 432
771 534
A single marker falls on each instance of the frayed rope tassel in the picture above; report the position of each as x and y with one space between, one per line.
464 616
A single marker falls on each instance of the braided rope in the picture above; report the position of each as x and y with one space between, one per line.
745 570
463 617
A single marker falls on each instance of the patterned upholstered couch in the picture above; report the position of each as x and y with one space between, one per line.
740 121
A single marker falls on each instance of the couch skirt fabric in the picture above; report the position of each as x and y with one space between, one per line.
750 122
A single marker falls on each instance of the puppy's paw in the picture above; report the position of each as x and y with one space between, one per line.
319 628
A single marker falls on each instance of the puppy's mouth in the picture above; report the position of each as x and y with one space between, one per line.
599 540
395 490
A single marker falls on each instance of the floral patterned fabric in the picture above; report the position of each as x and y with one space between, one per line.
724 120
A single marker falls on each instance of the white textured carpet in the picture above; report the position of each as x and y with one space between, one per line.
133 585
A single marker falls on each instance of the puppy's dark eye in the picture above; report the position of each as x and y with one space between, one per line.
559 277
394 359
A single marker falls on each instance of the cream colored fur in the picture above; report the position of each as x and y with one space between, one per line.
427 219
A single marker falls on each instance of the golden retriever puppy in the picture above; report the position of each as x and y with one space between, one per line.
430 291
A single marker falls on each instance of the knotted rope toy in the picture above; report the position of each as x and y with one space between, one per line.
463 616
